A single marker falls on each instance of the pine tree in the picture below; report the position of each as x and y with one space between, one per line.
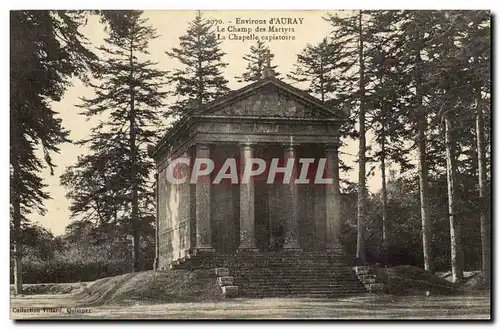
319 72
350 34
460 76
257 59
388 94
473 59
46 50
434 54
316 67
362 192
417 66
129 95
410 41
482 177
387 125
94 186
201 79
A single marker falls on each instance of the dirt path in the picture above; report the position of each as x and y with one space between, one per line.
357 307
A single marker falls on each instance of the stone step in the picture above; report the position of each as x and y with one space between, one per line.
276 256
263 258
305 288
297 284
221 271
249 264
296 279
306 295
243 263
301 275
225 280
257 278
270 293
375 287
230 291
297 268
331 256
289 268
297 288
270 281
291 271
288 273
285 264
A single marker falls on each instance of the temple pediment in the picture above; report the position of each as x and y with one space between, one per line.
266 110
270 98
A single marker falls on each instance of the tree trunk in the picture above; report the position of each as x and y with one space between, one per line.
16 205
455 234
360 248
422 171
483 216
385 237
424 198
133 169
384 194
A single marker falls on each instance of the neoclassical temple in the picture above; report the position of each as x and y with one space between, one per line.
266 119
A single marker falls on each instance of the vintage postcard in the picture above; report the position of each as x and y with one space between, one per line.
197 164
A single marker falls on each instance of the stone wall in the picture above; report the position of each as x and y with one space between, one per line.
174 218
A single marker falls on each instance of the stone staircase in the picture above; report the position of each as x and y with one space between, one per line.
286 273
371 278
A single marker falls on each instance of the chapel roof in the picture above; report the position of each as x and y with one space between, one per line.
268 80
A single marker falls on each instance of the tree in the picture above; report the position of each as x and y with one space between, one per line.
411 41
129 95
39 243
257 59
201 79
319 69
362 193
387 124
437 52
389 96
95 186
316 67
463 74
349 33
46 50
482 177
474 58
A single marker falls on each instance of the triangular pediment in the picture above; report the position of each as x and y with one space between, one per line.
270 98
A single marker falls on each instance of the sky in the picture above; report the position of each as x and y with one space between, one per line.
170 25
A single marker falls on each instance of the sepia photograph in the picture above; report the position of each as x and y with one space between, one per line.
250 164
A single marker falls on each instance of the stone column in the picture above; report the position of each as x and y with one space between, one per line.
292 196
203 196
247 203
332 195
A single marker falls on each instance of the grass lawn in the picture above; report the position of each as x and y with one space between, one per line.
473 306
